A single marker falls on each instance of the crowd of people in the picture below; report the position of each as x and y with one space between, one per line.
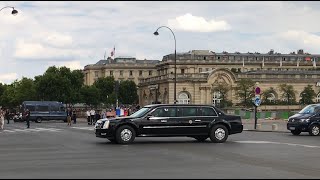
92 115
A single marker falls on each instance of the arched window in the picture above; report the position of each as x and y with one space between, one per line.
183 98
318 98
271 97
216 99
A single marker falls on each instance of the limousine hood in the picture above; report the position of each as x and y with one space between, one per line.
301 116
117 119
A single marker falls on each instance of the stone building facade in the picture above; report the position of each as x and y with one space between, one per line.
199 71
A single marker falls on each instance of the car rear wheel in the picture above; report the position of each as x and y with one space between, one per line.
219 133
38 120
200 138
314 130
125 134
296 132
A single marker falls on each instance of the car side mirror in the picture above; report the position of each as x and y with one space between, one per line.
149 116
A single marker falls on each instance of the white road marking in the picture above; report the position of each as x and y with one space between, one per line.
271 142
84 128
31 130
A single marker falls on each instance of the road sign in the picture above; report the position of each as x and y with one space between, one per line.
257 101
257 90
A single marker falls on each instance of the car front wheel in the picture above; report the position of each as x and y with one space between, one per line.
314 130
125 134
219 133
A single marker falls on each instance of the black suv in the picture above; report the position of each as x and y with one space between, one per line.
307 120
165 120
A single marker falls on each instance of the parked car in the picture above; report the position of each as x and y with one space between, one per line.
307 120
165 120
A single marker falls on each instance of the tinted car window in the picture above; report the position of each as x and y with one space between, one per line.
189 111
43 108
207 111
31 108
165 112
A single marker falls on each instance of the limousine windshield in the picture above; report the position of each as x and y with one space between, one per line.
140 113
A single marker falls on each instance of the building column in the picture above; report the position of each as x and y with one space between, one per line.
209 98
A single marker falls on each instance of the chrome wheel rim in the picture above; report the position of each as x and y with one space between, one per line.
126 134
220 133
315 130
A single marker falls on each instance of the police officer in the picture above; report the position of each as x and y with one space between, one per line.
28 118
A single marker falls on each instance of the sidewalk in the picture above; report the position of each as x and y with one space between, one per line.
265 125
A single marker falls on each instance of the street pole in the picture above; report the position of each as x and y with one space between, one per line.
175 62
255 117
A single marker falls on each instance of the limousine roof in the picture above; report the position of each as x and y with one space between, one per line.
156 105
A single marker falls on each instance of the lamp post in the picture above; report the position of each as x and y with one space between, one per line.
13 12
175 61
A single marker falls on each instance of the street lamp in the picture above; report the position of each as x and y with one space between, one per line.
175 61
14 12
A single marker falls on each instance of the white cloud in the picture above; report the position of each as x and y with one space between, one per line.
302 37
73 65
188 22
8 77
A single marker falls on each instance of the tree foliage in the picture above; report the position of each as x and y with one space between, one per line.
307 95
128 92
288 93
245 91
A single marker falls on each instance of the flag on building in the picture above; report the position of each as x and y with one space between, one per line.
113 51
308 59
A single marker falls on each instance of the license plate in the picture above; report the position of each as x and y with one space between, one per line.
292 128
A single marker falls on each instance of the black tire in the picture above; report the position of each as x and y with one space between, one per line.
125 134
219 133
314 130
296 132
201 138
65 120
38 120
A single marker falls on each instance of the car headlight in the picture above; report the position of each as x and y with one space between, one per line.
305 120
106 124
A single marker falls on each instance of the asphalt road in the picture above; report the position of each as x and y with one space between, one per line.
54 150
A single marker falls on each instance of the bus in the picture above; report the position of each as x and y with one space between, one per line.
44 110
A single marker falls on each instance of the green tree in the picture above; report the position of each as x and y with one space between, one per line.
25 90
307 95
90 95
60 84
288 93
128 92
106 88
267 95
223 89
8 98
244 90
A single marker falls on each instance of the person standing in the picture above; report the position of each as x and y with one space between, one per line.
92 114
74 117
69 114
1 119
88 117
28 117
7 115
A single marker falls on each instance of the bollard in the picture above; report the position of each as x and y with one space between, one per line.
274 127
258 126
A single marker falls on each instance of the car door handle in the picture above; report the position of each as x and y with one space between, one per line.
197 120
163 121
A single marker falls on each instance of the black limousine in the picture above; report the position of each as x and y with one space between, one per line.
168 120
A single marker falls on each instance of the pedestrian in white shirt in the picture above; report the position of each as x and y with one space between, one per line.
92 114
88 117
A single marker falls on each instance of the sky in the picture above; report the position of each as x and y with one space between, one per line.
78 33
